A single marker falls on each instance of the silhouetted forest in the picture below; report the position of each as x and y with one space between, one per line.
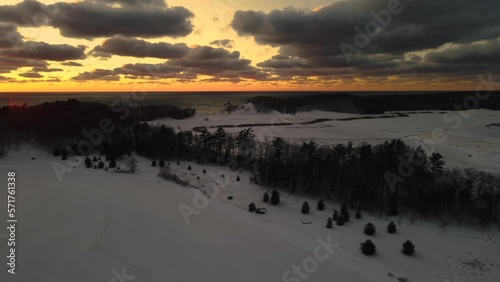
378 104
365 177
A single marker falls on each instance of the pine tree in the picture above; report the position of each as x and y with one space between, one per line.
178 163
94 159
112 163
153 163
369 229
57 152
101 165
335 215
391 228
408 248
321 205
368 248
344 212
251 207
189 167
305 208
161 163
88 162
204 171
340 221
266 197
358 215
275 197
329 223
238 178
64 154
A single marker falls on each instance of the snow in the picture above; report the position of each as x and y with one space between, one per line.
98 223
465 141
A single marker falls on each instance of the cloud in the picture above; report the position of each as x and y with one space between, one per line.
310 41
71 64
9 36
45 69
228 43
124 46
8 64
131 3
98 74
31 75
90 19
43 51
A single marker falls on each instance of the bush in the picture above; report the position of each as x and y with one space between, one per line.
358 215
95 166
369 229
118 168
112 163
275 197
335 215
161 163
88 162
321 205
368 248
94 159
178 163
408 248
238 178
340 221
64 154
153 163
391 228
57 152
168 174
204 171
329 223
266 197
344 212
189 167
101 165
305 208
251 207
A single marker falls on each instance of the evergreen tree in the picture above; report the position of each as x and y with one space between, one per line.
64 154
266 197
336 215
189 167
358 215
161 163
112 163
275 197
88 162
437 163
101 165
391 228
57 152
252 207
369 229
178 163
204 171
94 159
408 248
238 178
368 248
153 163
305 208
340 221
329 223
321 205
344 212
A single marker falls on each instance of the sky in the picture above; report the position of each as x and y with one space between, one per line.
241 45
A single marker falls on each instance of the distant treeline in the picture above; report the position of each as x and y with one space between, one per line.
391 178
377 104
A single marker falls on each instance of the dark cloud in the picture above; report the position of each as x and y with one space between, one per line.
8 64
71 64
9 36
91 19
98 74
124 46
310 41
44 51
228 43
45 69
31 75
131 3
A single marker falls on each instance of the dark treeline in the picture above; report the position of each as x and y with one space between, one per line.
365 177
377 104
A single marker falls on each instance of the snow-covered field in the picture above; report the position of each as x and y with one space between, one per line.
463 138
105 226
